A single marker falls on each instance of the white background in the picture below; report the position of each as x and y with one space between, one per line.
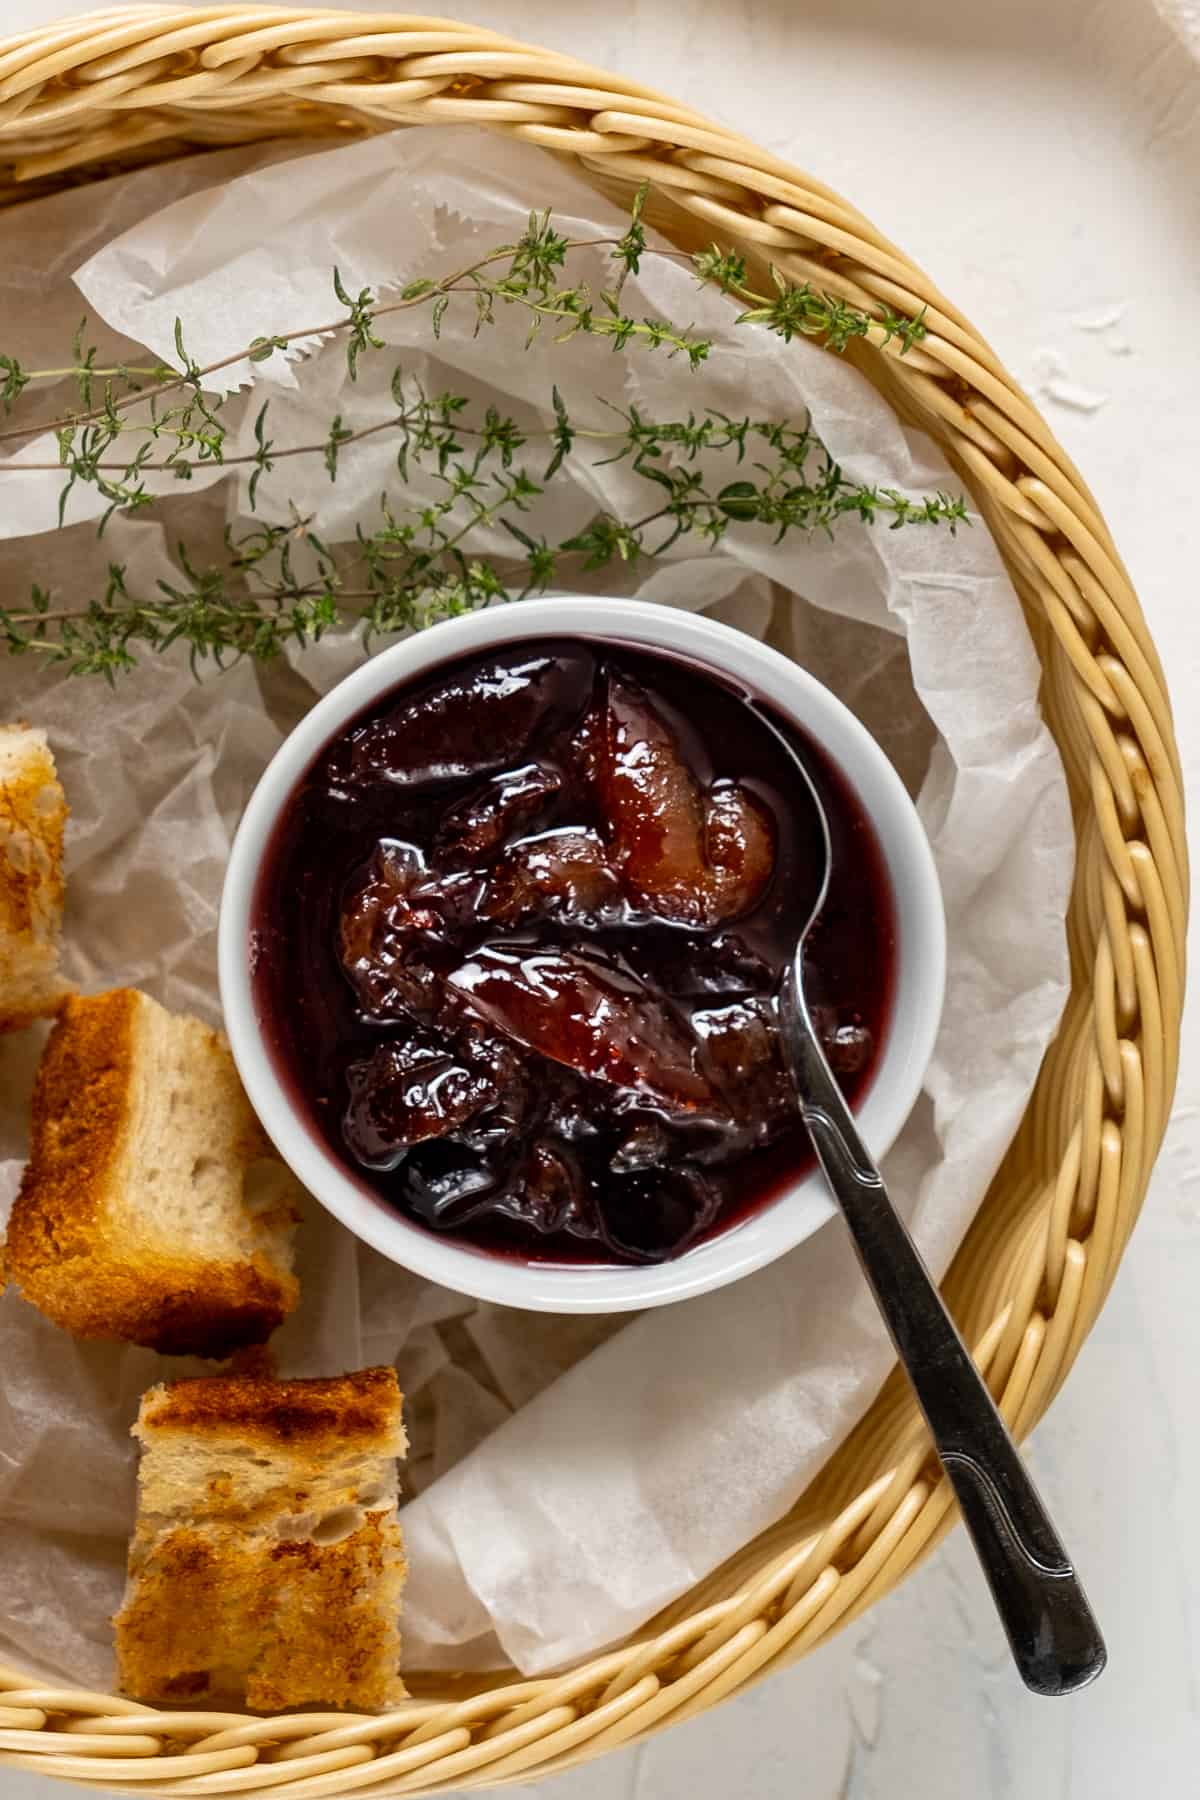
1042 159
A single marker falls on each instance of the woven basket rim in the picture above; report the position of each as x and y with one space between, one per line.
111 90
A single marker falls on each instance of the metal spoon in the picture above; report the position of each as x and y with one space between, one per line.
1055 1640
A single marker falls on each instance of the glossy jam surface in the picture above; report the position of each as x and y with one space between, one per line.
516 939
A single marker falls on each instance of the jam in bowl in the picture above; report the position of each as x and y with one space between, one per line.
501 938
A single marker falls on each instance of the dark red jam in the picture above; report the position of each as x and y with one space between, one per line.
516 940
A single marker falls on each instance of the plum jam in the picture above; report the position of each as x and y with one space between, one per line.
516 941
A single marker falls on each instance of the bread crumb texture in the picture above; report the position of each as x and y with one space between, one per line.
33 817
267 1565
153 1208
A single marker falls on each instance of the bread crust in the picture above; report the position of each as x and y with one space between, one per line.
33 817
79 1126
73 1247
306 1414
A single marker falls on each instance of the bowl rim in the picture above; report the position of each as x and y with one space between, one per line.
920 960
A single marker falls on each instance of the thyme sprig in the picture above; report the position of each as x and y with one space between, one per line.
280 583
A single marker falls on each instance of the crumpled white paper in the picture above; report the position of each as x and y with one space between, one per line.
557 1510
1184 18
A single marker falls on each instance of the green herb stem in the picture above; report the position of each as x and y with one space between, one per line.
280 584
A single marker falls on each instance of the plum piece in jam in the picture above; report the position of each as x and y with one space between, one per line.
520 931
388 935
692 857
564 875
653 1214
409 1090
741 1052
596 1018
479 826
508 701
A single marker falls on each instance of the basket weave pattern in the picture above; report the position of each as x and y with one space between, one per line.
85 97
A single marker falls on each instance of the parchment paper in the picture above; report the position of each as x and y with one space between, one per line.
571 1476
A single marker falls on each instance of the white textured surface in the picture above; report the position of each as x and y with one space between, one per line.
1041 160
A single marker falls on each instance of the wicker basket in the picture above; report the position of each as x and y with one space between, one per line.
88 97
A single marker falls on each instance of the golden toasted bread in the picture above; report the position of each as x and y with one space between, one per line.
33 815
153 1208
267 1565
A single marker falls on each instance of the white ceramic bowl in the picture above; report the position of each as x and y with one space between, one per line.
919 961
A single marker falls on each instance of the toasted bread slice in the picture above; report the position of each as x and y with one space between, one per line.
267 1565
33 815
153 1208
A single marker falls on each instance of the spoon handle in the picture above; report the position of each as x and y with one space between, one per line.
1055 1640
